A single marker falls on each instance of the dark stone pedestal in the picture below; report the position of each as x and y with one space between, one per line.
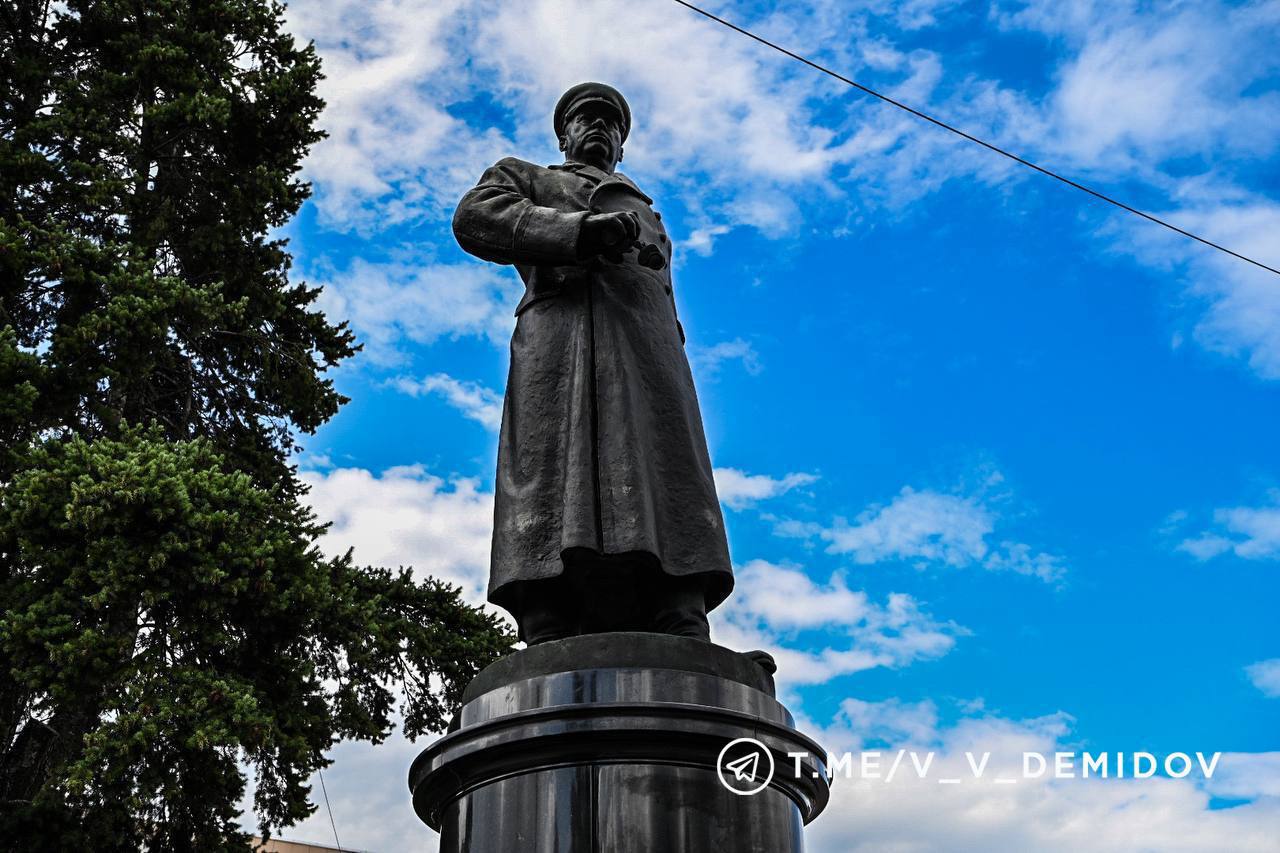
609 743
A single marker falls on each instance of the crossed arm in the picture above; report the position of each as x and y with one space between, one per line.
498 221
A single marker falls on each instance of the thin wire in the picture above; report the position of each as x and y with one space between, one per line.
973 138
329 809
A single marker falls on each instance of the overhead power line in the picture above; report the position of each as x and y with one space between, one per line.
942 124
329 808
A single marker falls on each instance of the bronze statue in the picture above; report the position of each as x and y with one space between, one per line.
606 516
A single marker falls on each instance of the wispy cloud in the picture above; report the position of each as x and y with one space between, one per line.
1251 533
394 152
744 139
889 721
1237 305
1134 92
817 631
1107 815
706 361
1145 88
395 303
929 528
1265 675
407 517
849 632
481 404
740 490
707 102
924 526
1145 94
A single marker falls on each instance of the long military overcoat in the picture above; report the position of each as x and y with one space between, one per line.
602 445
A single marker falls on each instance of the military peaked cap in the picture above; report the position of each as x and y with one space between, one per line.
585 93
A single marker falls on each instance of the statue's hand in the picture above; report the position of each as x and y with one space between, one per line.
650 256
608 234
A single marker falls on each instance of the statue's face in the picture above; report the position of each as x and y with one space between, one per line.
593 134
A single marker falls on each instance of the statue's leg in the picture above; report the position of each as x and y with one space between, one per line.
630 592
680 607
609 598
548 610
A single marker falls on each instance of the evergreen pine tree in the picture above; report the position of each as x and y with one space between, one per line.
165 616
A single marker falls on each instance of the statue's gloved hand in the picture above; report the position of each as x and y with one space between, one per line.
650 256
608 234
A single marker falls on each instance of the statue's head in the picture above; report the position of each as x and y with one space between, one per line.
592 121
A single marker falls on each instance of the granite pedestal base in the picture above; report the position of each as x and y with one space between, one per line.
610 743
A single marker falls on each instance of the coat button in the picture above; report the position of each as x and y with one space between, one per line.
662 238
657 216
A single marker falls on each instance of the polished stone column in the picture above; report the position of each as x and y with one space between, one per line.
612 743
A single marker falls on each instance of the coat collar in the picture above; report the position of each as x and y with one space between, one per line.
597 176
594 174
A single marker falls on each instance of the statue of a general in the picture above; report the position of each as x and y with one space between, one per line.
605 516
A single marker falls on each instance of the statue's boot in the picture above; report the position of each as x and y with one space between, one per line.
544 624
680 608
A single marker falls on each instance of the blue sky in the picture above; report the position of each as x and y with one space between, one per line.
998 462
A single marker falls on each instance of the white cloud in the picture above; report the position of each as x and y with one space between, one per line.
1248 775
1236 304
1206 546
1048 816
718 121
313 461
390 70
1140 88
1138 94
1143 86
1158 86
1242 302
933 528
1265 675
481 404
773 604
740 490
890 721
702 238
371 807
706 361
706 101
1021 558
407 517
926 525
743 137
1251 533
391 303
